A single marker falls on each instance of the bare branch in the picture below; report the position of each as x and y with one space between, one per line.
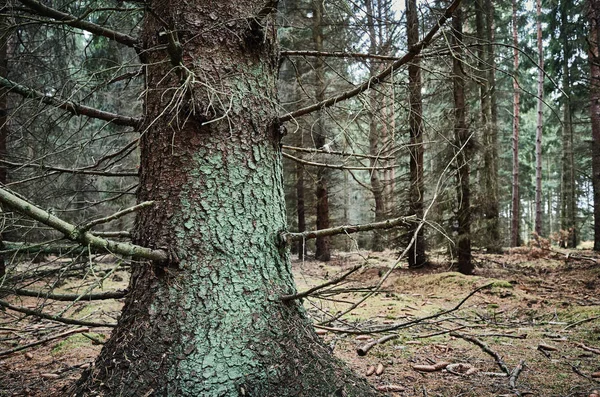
347 229
333 166
116 215
409 56
76 22
306 293
68 170
71 232
65 297
347 154
59 319
337 54
42 341
69 106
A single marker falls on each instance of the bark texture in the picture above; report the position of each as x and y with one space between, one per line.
515 213
594 59
463 146
540 121
416 254
211 323
4 35
484 22
322 244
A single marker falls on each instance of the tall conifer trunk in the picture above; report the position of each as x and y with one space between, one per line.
323 246
463 146
209 321
594 59
4 35
516 215
540 120
416 254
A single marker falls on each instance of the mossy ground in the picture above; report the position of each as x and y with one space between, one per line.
547 298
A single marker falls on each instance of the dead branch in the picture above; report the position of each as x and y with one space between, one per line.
346 154
41 342
347 229
333 166
409 56
512 381
116 215
71 232
363 350
300 295
407 324
68 170
69 106
587 348
59 319
65 297
79 23
337 54
580 322
485 348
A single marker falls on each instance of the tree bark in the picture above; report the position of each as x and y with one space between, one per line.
568 197
540 121
300 208
4 35
486 67
210 323
594 60
323 245
416 254
462 139
515 219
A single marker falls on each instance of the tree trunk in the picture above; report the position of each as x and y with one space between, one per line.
376 98
462 138
515 220
568 206
594 59
301 247
489 134
416 254
323 246
209 322
4 35
540 120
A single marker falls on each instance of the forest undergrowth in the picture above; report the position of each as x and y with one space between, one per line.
534 331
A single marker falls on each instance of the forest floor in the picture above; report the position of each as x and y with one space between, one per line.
541 314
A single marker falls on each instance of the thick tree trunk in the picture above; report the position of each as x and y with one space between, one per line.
516 216
594 59
416 254
323 246
540 120
462 138
209 322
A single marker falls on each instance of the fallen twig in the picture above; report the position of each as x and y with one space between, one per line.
512 381
581 322
589 349
363 350
485 348
40 342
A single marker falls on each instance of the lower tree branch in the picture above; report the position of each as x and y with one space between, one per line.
59 319
71 232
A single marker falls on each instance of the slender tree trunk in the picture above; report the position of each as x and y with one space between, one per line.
4 35
300 207
515 220
323 246
594 59
416 254
208 322
375 135
492 206
462 138
568 206
539 130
